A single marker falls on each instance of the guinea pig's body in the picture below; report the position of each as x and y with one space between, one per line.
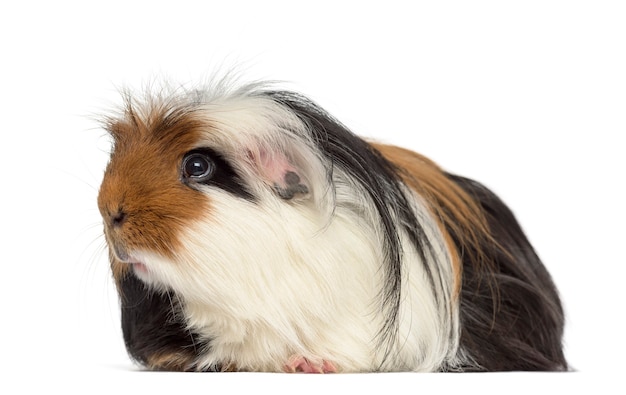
249 230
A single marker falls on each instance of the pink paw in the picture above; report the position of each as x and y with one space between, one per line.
303 365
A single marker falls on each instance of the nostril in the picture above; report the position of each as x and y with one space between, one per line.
118 219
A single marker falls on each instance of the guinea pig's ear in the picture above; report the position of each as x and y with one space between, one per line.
286 176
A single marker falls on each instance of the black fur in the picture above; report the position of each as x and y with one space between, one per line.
511 314
151 325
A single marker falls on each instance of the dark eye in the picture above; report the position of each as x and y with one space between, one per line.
198 167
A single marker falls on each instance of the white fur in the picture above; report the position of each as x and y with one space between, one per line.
269 280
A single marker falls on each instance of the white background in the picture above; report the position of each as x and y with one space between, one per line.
528 97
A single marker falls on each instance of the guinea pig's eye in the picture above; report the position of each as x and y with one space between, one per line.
197 166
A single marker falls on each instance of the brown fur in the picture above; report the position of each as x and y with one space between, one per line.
449 204
143 179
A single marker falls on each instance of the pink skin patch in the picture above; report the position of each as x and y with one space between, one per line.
276 170
299 364
274 167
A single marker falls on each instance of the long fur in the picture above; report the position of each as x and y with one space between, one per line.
310 242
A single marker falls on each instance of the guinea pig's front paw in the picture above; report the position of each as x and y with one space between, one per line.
299 364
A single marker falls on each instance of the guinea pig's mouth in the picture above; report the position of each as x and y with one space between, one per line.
136 262
123 256
139 268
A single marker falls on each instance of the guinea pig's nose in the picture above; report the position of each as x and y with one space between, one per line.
118 218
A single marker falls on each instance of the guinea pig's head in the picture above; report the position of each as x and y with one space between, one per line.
193 179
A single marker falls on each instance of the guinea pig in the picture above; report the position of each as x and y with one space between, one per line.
250 230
